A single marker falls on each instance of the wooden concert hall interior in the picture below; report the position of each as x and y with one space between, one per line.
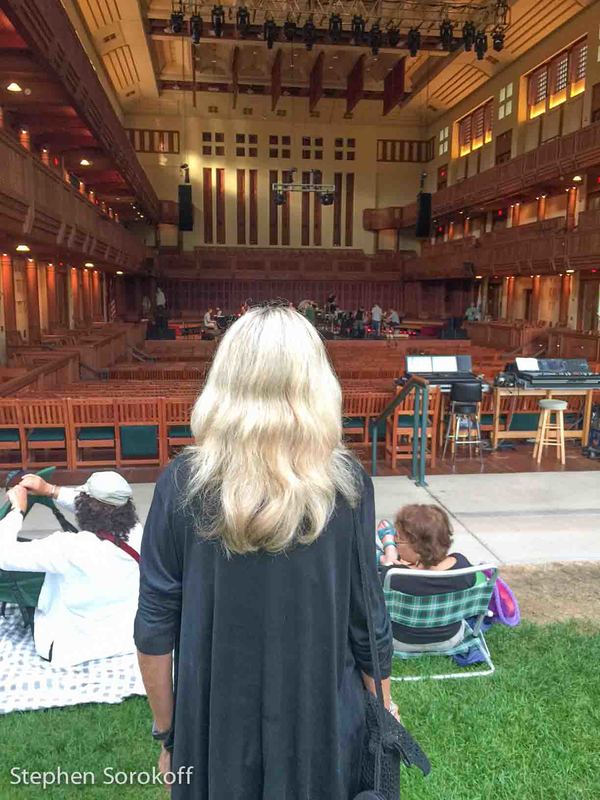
164 164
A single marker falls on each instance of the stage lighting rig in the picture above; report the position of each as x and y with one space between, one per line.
279 198
242 21
375 38
413 41
290 29
177 20
324 191
447 34
498 40
309 33
481 45
393 34
335 28
358 29
270 32
196 28
468 35
327 198
217 18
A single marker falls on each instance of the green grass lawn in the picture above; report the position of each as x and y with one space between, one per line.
530 732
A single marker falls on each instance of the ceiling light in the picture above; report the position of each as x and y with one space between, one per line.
23 248
13 87
393 35
88 264
85 163
478 277
577 178
119 272
569 271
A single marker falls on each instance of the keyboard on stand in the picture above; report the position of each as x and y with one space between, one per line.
555 373
440 371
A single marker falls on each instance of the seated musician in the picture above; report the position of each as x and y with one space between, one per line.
423 537
88 601
209 322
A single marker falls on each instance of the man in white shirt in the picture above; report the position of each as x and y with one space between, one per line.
161 300
376 315
473 314
393 318
209 323
88 601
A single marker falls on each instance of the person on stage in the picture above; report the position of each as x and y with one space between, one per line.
161 300
376 317
209 323
473 313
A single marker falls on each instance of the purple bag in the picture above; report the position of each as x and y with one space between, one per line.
504 606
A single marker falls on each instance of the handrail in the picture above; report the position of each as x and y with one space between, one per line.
102 374
420 413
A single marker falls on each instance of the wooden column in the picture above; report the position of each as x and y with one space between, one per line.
467 227
565 294
75 298
51 293
541 207
534 311
572 198
510 295
86 294
97 315
516 215
451 231
33 302
8 290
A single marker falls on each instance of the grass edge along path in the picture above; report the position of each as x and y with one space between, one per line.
530 732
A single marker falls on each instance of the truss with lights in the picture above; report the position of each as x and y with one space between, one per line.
326 191
381 23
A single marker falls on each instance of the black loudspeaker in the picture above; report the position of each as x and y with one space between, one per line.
469 268
186 208
423 226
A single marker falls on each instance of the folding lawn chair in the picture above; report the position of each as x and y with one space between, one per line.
435 610
23 588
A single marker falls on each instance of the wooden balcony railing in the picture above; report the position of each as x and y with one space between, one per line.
37 204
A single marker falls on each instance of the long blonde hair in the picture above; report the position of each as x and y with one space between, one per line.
268 456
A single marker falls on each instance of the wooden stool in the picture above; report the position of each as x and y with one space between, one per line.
550 434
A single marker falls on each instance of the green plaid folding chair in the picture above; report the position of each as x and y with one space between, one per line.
435 610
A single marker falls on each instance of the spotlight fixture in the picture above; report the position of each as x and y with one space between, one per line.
119 272
88 264
335 28
393 35
327 198
85 163
375 37
23 248
270 32
290 29
358 29
577 178
447 34
242 20
13 87
196 28
217 18
468 35
413 41
498 40
481 45
177 22
279 198
309 33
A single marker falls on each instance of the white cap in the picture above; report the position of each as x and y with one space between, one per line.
108 487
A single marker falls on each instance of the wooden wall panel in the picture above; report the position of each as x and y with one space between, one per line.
207 203
285 213
273 222
349 209
305 232
253 215
317 212
221 235
337 210
241 206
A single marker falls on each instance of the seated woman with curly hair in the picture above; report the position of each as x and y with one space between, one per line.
88 601
423 537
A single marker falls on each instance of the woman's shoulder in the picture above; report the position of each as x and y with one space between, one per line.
461 561
175 476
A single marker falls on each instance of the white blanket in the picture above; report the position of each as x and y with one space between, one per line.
28 683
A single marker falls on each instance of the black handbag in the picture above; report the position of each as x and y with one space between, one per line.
387 743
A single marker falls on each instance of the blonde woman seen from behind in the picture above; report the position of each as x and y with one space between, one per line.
250 575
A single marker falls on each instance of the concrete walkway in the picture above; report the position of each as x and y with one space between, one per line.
518 518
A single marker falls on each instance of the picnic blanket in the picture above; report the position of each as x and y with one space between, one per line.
28 683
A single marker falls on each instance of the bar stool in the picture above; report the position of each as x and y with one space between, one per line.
465 402
548 434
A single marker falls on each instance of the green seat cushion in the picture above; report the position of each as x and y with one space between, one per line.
9 435
488 419
139 441
353 422
94 434
180 432
46 435
406 420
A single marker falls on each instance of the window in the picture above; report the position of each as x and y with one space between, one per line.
505 103
443 141
561 77
344 148
312 148
274 151
242 139
208 137
475 129
153 141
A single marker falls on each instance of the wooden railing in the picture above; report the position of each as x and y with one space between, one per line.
37 203
56 371
507 336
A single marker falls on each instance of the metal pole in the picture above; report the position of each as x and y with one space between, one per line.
424 415
415 441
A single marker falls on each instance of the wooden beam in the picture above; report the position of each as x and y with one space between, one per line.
355 84
315 82
235 75
276 79
393 87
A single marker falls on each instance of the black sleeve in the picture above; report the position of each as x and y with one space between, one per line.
161 568
359 634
